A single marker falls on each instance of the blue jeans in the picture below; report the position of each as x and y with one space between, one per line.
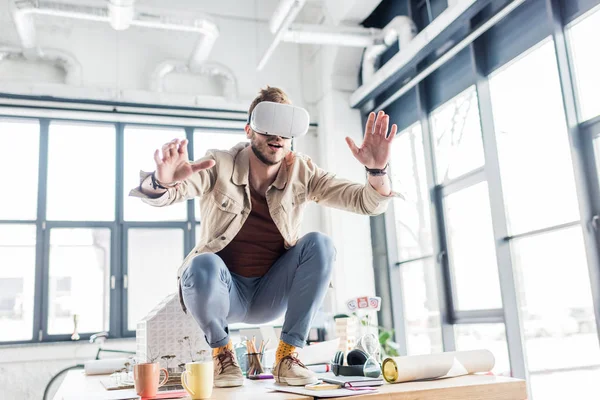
295 284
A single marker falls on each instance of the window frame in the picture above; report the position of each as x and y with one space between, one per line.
118 325
551 25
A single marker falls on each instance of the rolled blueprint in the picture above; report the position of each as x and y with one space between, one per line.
441 365
105 366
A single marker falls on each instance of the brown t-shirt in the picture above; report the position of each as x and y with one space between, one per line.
257 245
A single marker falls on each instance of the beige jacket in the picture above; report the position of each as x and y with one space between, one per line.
224 197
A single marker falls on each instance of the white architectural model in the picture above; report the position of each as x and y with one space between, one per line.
168 331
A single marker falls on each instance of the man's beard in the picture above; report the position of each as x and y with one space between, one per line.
261 156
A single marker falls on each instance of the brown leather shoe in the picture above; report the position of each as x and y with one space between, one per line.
227 370
290 370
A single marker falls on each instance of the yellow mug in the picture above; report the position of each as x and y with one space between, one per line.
197 379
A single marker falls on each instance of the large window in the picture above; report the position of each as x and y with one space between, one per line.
26 162
413 220
582 40
506 171
139 147
79 280
533 147
421 308
81 172
415 243
159 249
88 254
17 281
552 275
471 249
457 137
557 310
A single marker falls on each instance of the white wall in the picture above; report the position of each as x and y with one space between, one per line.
333 73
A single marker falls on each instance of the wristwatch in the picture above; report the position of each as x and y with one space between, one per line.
157 185
377 172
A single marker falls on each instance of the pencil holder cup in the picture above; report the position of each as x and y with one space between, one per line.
254 364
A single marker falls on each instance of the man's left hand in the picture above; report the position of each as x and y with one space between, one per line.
374 152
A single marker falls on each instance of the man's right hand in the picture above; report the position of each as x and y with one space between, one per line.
174 165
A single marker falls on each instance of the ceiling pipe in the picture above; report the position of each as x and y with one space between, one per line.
293 12
204 44
282 10
120 13
24 9
375 40
325 35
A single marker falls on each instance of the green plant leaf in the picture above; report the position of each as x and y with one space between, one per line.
384 336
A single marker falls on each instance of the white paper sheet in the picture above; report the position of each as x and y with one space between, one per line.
319 393
108 395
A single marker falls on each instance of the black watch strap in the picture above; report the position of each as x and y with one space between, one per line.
155 183
377 172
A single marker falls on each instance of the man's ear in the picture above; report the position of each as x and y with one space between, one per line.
248 131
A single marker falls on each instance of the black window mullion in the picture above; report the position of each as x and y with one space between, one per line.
126 226
395 279
124 270
116 265
514 337
41 272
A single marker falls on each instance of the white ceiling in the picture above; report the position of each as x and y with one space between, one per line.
232 10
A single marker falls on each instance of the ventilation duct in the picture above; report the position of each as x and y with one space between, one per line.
216 70
59 58
402 30
121 15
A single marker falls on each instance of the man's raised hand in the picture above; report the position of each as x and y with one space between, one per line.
174 165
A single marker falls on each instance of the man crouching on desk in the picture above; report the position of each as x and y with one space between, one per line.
249 264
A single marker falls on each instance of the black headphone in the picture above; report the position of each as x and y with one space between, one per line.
356 360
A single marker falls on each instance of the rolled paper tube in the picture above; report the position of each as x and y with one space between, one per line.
105 366
430 366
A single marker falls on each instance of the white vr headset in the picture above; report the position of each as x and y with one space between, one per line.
278 119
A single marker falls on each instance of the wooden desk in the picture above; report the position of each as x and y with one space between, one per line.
77 382
470 387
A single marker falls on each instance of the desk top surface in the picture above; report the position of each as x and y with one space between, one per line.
470 387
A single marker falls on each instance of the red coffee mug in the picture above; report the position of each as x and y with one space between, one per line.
146 378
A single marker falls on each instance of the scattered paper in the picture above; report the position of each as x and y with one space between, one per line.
320 393
108 395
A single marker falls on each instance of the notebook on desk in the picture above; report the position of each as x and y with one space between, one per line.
350 381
